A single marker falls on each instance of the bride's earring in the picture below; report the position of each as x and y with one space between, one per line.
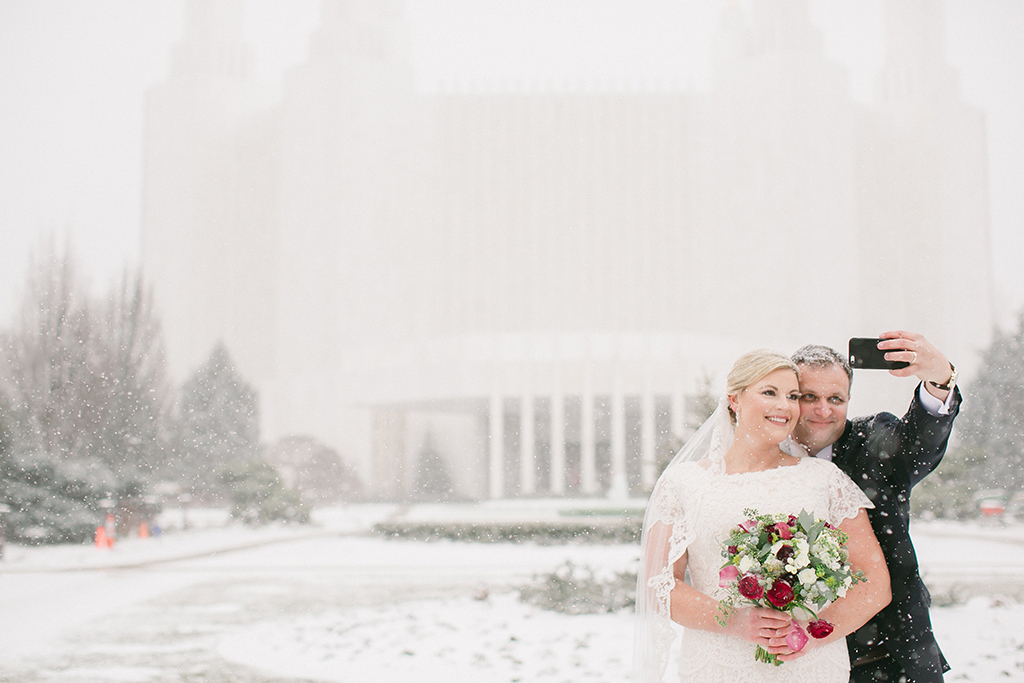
734 410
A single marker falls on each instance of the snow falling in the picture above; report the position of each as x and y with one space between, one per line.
409 322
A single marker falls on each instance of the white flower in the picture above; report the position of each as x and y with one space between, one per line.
801 556
748 564
807 576
841 591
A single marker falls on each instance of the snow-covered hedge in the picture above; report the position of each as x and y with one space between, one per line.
576 589
568 531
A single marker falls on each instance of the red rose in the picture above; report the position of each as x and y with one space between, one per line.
733 550
780 594
785 552
750 588
820 628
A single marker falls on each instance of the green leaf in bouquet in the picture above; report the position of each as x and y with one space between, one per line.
814 532
805 519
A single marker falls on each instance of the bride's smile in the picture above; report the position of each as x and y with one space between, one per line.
768 410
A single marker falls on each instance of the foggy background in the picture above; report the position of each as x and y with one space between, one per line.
513 244
73 77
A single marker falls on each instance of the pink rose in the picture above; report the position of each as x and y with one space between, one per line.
727 575
750 588
783 531
780 594
797 638
749 525
820 628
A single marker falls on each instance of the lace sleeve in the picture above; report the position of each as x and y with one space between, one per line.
845 499
667 533
666 536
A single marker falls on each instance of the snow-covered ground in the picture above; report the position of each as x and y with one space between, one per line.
329 603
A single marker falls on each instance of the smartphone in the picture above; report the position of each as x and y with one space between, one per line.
865 355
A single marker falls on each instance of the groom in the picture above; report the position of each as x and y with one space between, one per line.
886 456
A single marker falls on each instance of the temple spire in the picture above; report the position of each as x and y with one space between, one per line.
915 55
781 26
373 28
213 44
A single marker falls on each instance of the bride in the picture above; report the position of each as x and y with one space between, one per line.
743 457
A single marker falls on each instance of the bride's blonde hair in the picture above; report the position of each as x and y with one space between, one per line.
752 366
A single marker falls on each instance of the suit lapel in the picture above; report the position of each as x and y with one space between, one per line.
841 448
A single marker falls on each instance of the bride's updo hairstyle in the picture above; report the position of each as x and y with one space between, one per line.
751 367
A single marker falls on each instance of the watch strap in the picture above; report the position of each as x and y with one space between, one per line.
950 383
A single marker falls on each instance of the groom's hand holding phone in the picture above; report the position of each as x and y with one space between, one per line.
905 354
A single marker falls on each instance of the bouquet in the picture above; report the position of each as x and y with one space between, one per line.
794 564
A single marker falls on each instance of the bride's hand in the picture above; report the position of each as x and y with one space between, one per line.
799 639
765 627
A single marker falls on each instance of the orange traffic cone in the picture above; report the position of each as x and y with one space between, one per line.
101 537
110 531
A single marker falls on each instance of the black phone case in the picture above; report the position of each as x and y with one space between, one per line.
865 355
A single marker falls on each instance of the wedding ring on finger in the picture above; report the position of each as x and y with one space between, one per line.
914 359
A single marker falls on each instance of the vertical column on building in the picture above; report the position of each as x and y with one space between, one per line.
557 442
496 447
390 472
619 489
588 442
527 445
648 466
678 414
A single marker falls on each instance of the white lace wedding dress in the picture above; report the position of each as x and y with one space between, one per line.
705 506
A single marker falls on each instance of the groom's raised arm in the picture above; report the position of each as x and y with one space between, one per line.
924 430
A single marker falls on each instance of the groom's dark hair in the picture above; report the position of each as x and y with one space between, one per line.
817 356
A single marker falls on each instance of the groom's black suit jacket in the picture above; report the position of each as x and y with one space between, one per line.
886 456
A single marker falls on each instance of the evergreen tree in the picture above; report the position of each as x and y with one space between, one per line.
993 419
219 423
258 495
947 492
432 479
48 499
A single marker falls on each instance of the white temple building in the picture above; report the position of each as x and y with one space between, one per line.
541 280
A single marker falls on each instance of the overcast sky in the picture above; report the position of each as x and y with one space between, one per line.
73 74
